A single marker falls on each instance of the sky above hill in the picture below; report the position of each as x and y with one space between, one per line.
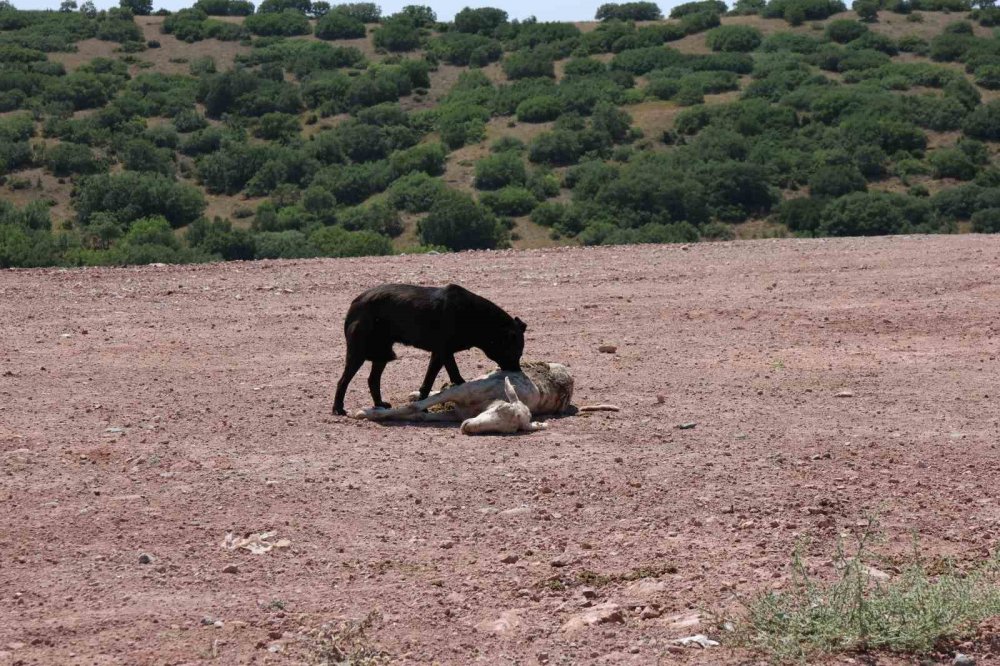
552 10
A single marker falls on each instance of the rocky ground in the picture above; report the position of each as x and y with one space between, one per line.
147 412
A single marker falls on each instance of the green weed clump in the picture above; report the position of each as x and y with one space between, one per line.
921 609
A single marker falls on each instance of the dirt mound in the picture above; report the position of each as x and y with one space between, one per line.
146 413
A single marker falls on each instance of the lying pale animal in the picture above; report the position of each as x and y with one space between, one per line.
500 402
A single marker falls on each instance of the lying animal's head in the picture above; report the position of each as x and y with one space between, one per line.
501 416
506 344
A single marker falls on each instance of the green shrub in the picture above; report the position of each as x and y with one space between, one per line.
836 180
481 21
528 64
379 217
397 34
698 6
843 31
801 215
733 38
508 143
549 214
339 242
948 47
874 214
584 67
459 223
415 193
629 11
867 10
500 170
427 158
277 127
287 23
913 44
290 244
557 148
129 196
65 159
952 163
366 12
219 238
986 221
339 25
699 22
512 201
539 109
984 122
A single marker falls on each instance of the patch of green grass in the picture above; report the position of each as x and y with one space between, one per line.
915 612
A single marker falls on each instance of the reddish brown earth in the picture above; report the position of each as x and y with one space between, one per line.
152 410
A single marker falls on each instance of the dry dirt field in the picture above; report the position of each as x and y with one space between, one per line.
147 412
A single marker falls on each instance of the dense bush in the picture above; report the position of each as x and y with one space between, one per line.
397 34
798 11
481 21
499 170
984 122
457 222
836 180
875 214
512 201
986 221
697 7
225 7
339 25
415 192
129 196
65 159
843 31
528 64
952 163
286 23
629 11
338 242
734 38
539 109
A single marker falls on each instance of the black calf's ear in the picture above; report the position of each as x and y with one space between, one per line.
520 324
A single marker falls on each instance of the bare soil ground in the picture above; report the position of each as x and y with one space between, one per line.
149 411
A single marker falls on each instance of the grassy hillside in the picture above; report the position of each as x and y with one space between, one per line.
304 131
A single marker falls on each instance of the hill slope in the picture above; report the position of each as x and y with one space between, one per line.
373 138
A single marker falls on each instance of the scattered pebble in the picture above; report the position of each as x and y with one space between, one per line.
231 569
607 349
963 660
145 559
686 426
845 394
509 559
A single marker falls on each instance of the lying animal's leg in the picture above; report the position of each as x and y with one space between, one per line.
433 368
351 366
453 374
413 411
375 384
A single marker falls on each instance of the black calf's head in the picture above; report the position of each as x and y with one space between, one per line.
507 345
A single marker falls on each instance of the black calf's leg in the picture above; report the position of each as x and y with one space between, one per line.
432 372
453 374
375 384
351 367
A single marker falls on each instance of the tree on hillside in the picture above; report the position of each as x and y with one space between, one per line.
629 11
137 7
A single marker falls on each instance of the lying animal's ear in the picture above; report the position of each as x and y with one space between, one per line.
520 324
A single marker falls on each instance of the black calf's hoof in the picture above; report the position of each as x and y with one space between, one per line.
339 411
383 405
